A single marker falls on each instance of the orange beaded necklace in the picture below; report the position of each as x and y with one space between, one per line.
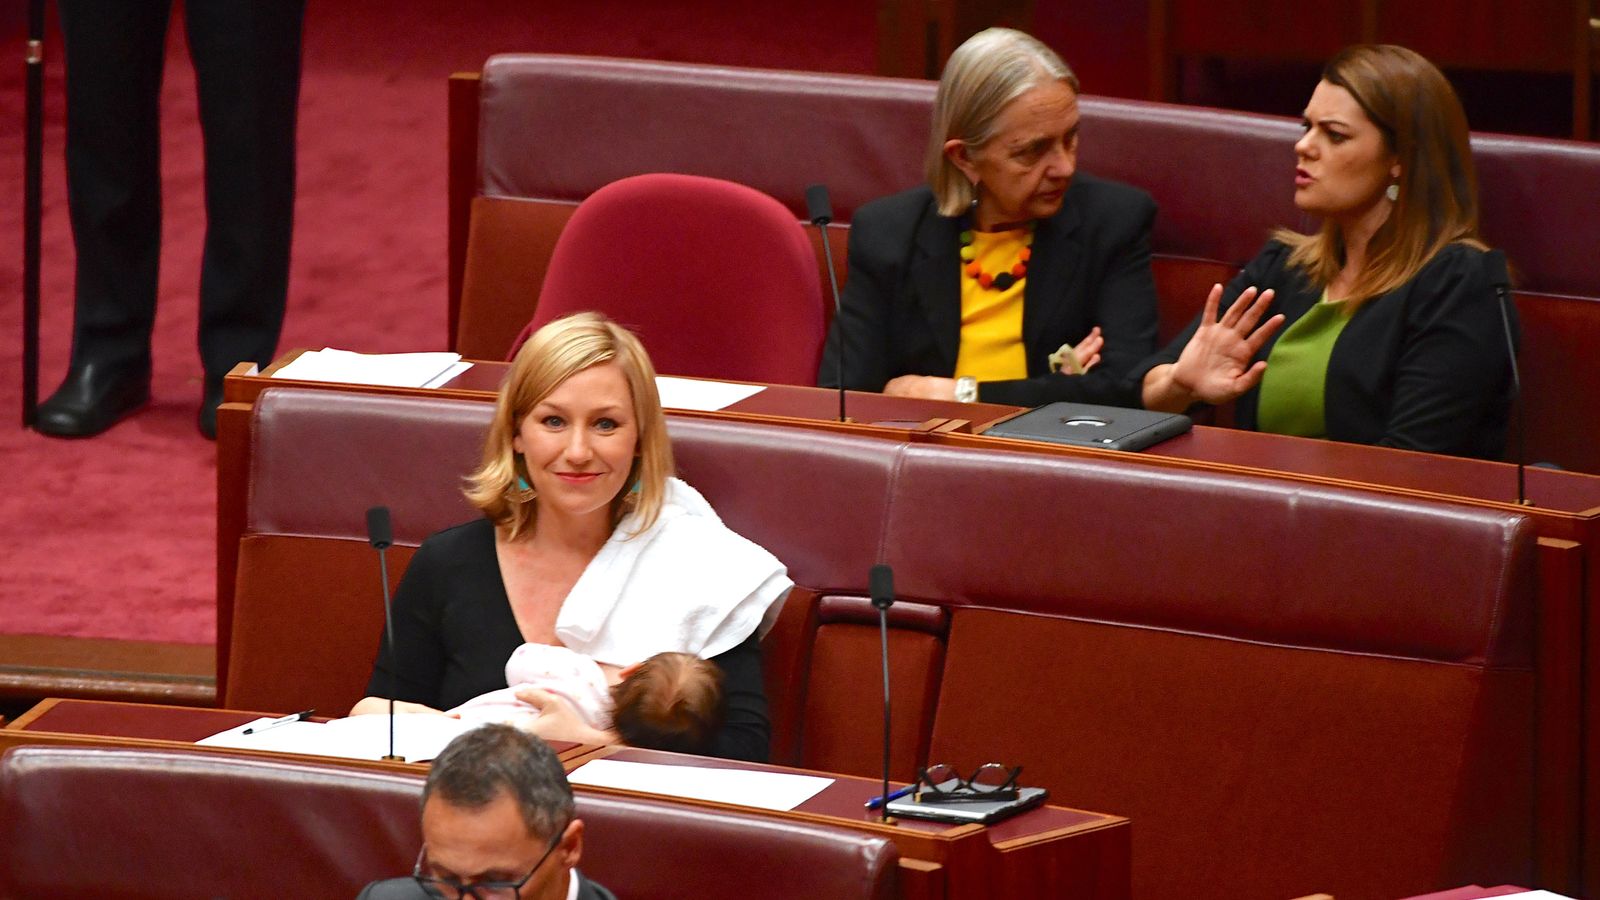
1001 281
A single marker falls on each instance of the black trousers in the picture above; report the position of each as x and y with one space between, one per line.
246 57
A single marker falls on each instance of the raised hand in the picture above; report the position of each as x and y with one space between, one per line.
1215 366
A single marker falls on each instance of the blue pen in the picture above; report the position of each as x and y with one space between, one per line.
876 802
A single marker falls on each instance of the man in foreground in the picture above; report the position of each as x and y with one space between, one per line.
497 822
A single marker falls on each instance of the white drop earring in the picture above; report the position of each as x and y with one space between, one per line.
1392 191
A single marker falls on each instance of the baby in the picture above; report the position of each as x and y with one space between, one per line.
671 701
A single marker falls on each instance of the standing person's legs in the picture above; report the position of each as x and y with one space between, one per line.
247 62
114 50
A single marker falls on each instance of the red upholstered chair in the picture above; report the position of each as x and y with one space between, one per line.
719 280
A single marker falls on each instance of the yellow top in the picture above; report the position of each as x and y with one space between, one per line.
991 320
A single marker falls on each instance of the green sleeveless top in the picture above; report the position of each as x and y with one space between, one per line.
1292 399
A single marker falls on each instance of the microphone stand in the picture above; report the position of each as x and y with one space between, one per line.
1522 412
881 584
32 194
821 212
1501 278
388 627
380 533
833 282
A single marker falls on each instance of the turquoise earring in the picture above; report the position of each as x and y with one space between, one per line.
524 492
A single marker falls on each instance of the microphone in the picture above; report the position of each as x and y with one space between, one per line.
820 211
1494 266
880 586
380 534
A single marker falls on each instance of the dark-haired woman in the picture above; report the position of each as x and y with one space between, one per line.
1383 327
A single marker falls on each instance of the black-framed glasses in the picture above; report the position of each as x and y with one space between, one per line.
450 889
943 783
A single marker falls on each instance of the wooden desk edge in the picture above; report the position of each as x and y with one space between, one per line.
21 723
23 738
243 387
932 846
1244 469
18 733
1106 821
950 833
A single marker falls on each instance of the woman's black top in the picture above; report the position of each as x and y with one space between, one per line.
454 631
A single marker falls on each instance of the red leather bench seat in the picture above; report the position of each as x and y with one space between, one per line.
640 847
543 120
552 129
321 459
775 131
843 716
308 581
815 500
152 824
1289 688
557 128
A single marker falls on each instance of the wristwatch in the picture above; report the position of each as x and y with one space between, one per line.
966 389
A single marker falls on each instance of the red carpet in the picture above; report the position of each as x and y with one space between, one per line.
114 537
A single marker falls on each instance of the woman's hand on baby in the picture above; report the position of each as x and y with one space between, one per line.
558 720
374 705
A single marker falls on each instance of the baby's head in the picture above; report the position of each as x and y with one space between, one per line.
671 701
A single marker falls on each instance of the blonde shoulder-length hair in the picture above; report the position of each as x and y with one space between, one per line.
984 74
553 354
1423 125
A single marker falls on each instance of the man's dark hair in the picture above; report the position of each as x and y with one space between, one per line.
477 766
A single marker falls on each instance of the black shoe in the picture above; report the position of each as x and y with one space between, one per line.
94 397
209 401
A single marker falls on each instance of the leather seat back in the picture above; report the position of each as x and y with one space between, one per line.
153 825
1287 688
641 847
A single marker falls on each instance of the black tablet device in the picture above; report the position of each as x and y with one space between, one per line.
1085 425
976 812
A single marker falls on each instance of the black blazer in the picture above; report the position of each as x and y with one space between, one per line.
1423 367
900 313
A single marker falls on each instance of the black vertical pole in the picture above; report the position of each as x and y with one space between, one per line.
32 192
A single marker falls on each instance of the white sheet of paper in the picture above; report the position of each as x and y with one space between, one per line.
418 737
387 369
1539 895
706 396
290 738
448 374
763 790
